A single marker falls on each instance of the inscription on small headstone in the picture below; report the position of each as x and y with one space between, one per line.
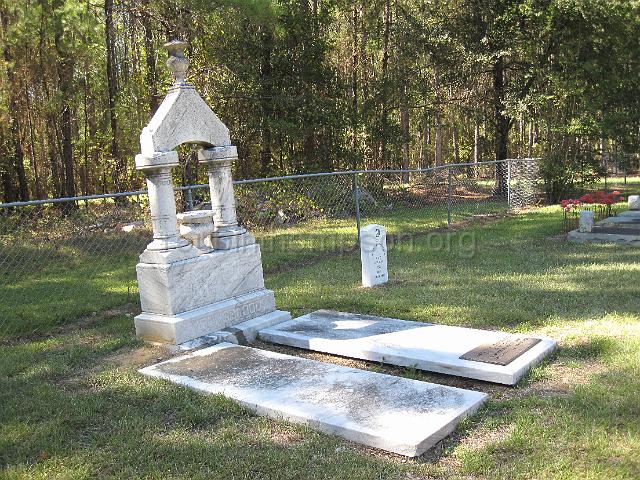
373 254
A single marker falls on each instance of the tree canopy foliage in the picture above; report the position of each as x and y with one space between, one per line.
314 85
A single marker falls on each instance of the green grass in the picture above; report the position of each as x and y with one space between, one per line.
73 405
44 284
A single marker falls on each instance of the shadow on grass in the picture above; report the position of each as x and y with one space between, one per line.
515 277
69 410
591 432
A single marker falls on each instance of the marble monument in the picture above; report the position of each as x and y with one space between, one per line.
205 275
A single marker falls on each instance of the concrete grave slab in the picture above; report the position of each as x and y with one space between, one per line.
630 214
434 348
624 236
391 413
621 221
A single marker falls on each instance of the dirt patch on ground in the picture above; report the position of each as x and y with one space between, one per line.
140 357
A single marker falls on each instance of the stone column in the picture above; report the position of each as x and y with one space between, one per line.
167 245
227 234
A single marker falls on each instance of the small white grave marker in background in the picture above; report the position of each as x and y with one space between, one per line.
373 254
587 221
634 202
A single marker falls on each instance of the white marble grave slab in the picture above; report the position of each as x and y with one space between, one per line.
391 413
434 348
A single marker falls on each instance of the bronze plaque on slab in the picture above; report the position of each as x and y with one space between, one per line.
502 352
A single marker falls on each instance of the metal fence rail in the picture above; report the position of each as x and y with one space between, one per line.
61 259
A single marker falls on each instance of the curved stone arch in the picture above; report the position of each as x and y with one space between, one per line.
183 117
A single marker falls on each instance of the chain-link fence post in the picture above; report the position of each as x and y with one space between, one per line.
449 195
356 198
508 184
188 199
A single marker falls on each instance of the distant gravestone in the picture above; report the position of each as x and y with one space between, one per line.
373 254
634 202
587 220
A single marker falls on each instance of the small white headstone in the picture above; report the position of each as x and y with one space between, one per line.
373 254
634 202
587 220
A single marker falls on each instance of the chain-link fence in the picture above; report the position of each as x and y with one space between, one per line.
68 258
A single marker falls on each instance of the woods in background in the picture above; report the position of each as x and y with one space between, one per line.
319 85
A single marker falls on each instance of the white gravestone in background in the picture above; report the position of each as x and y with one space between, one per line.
634 202
373 254
587 221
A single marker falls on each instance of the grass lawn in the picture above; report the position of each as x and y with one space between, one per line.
73 406
45 284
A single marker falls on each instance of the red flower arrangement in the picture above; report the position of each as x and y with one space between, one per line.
600 202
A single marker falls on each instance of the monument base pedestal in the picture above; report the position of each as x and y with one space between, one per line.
182 327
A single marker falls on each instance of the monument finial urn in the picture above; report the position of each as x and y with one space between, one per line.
177 62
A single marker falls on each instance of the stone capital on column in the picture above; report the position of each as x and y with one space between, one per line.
218 155
157 160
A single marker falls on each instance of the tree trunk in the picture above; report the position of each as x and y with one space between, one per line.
386 34
150 58
266 100
456 146
502 125
9 193
424 143
16 153
404 125
112 91
65 80
355 53
32 151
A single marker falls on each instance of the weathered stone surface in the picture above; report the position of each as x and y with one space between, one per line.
425 346
619 228
244 333
178 287
630 214
396 414
373 255
595 237
183 117
634 202
196 226
622 220
189 291
587 220
186 326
